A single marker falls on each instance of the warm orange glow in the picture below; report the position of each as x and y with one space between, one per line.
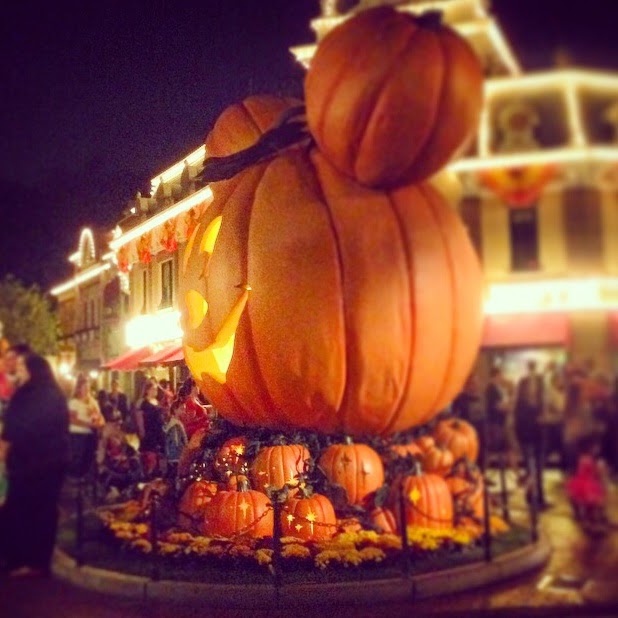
197 306
210 235
215 360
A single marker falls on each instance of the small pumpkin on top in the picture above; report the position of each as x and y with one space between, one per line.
392 97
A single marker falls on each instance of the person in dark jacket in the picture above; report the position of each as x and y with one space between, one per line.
35 435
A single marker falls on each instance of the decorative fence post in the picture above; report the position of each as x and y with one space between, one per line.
154 535
276 562
79 522
533 498
405 548
503 488
485 468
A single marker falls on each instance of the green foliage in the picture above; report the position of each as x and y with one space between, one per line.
27 316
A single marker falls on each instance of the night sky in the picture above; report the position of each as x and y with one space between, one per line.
98 97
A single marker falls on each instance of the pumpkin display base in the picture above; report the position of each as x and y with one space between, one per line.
105 569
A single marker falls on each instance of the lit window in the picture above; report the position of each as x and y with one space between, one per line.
167 284
524 239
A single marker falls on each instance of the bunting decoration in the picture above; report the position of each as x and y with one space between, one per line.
518 187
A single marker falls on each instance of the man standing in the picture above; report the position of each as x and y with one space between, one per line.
528 411
119 400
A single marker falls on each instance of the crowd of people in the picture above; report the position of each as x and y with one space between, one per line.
99 436
566 414
569 412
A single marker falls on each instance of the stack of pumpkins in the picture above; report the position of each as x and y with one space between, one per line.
328 287
444 491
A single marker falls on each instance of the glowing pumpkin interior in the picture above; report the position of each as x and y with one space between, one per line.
215 359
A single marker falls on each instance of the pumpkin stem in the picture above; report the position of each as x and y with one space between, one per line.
288 131
348 440
242 483
432 20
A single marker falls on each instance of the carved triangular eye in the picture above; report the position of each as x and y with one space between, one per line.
197 308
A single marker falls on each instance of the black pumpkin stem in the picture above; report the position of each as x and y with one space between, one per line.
290 129
432 20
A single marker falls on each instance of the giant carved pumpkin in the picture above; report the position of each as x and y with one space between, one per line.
356 467
311 302
391 97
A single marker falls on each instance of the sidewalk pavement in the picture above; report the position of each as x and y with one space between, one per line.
580 579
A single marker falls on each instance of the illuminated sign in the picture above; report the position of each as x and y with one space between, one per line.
599 293
144 330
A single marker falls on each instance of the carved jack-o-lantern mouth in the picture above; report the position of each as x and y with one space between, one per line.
215 359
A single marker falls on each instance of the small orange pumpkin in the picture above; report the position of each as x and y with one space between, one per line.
467 488
245 512
459 437
231 459
309 518
384 520
276 466
193 504
438 460
428 501
356 467
392 97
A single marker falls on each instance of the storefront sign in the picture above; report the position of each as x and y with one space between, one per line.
600 293
145 330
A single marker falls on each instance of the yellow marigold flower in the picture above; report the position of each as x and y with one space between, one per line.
336 543
213 550
143 545
389 541
240 550
264 557
141 528
295 550
325 557
374 554
288 539
351 557
168 548
367 536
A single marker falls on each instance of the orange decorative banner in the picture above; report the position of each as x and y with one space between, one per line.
518 187
144 254
123 259
168 236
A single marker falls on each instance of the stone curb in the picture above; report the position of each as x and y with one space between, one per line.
362 592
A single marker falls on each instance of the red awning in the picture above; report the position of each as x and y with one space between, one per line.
177 357
533 329
129 361
167 356
612 325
